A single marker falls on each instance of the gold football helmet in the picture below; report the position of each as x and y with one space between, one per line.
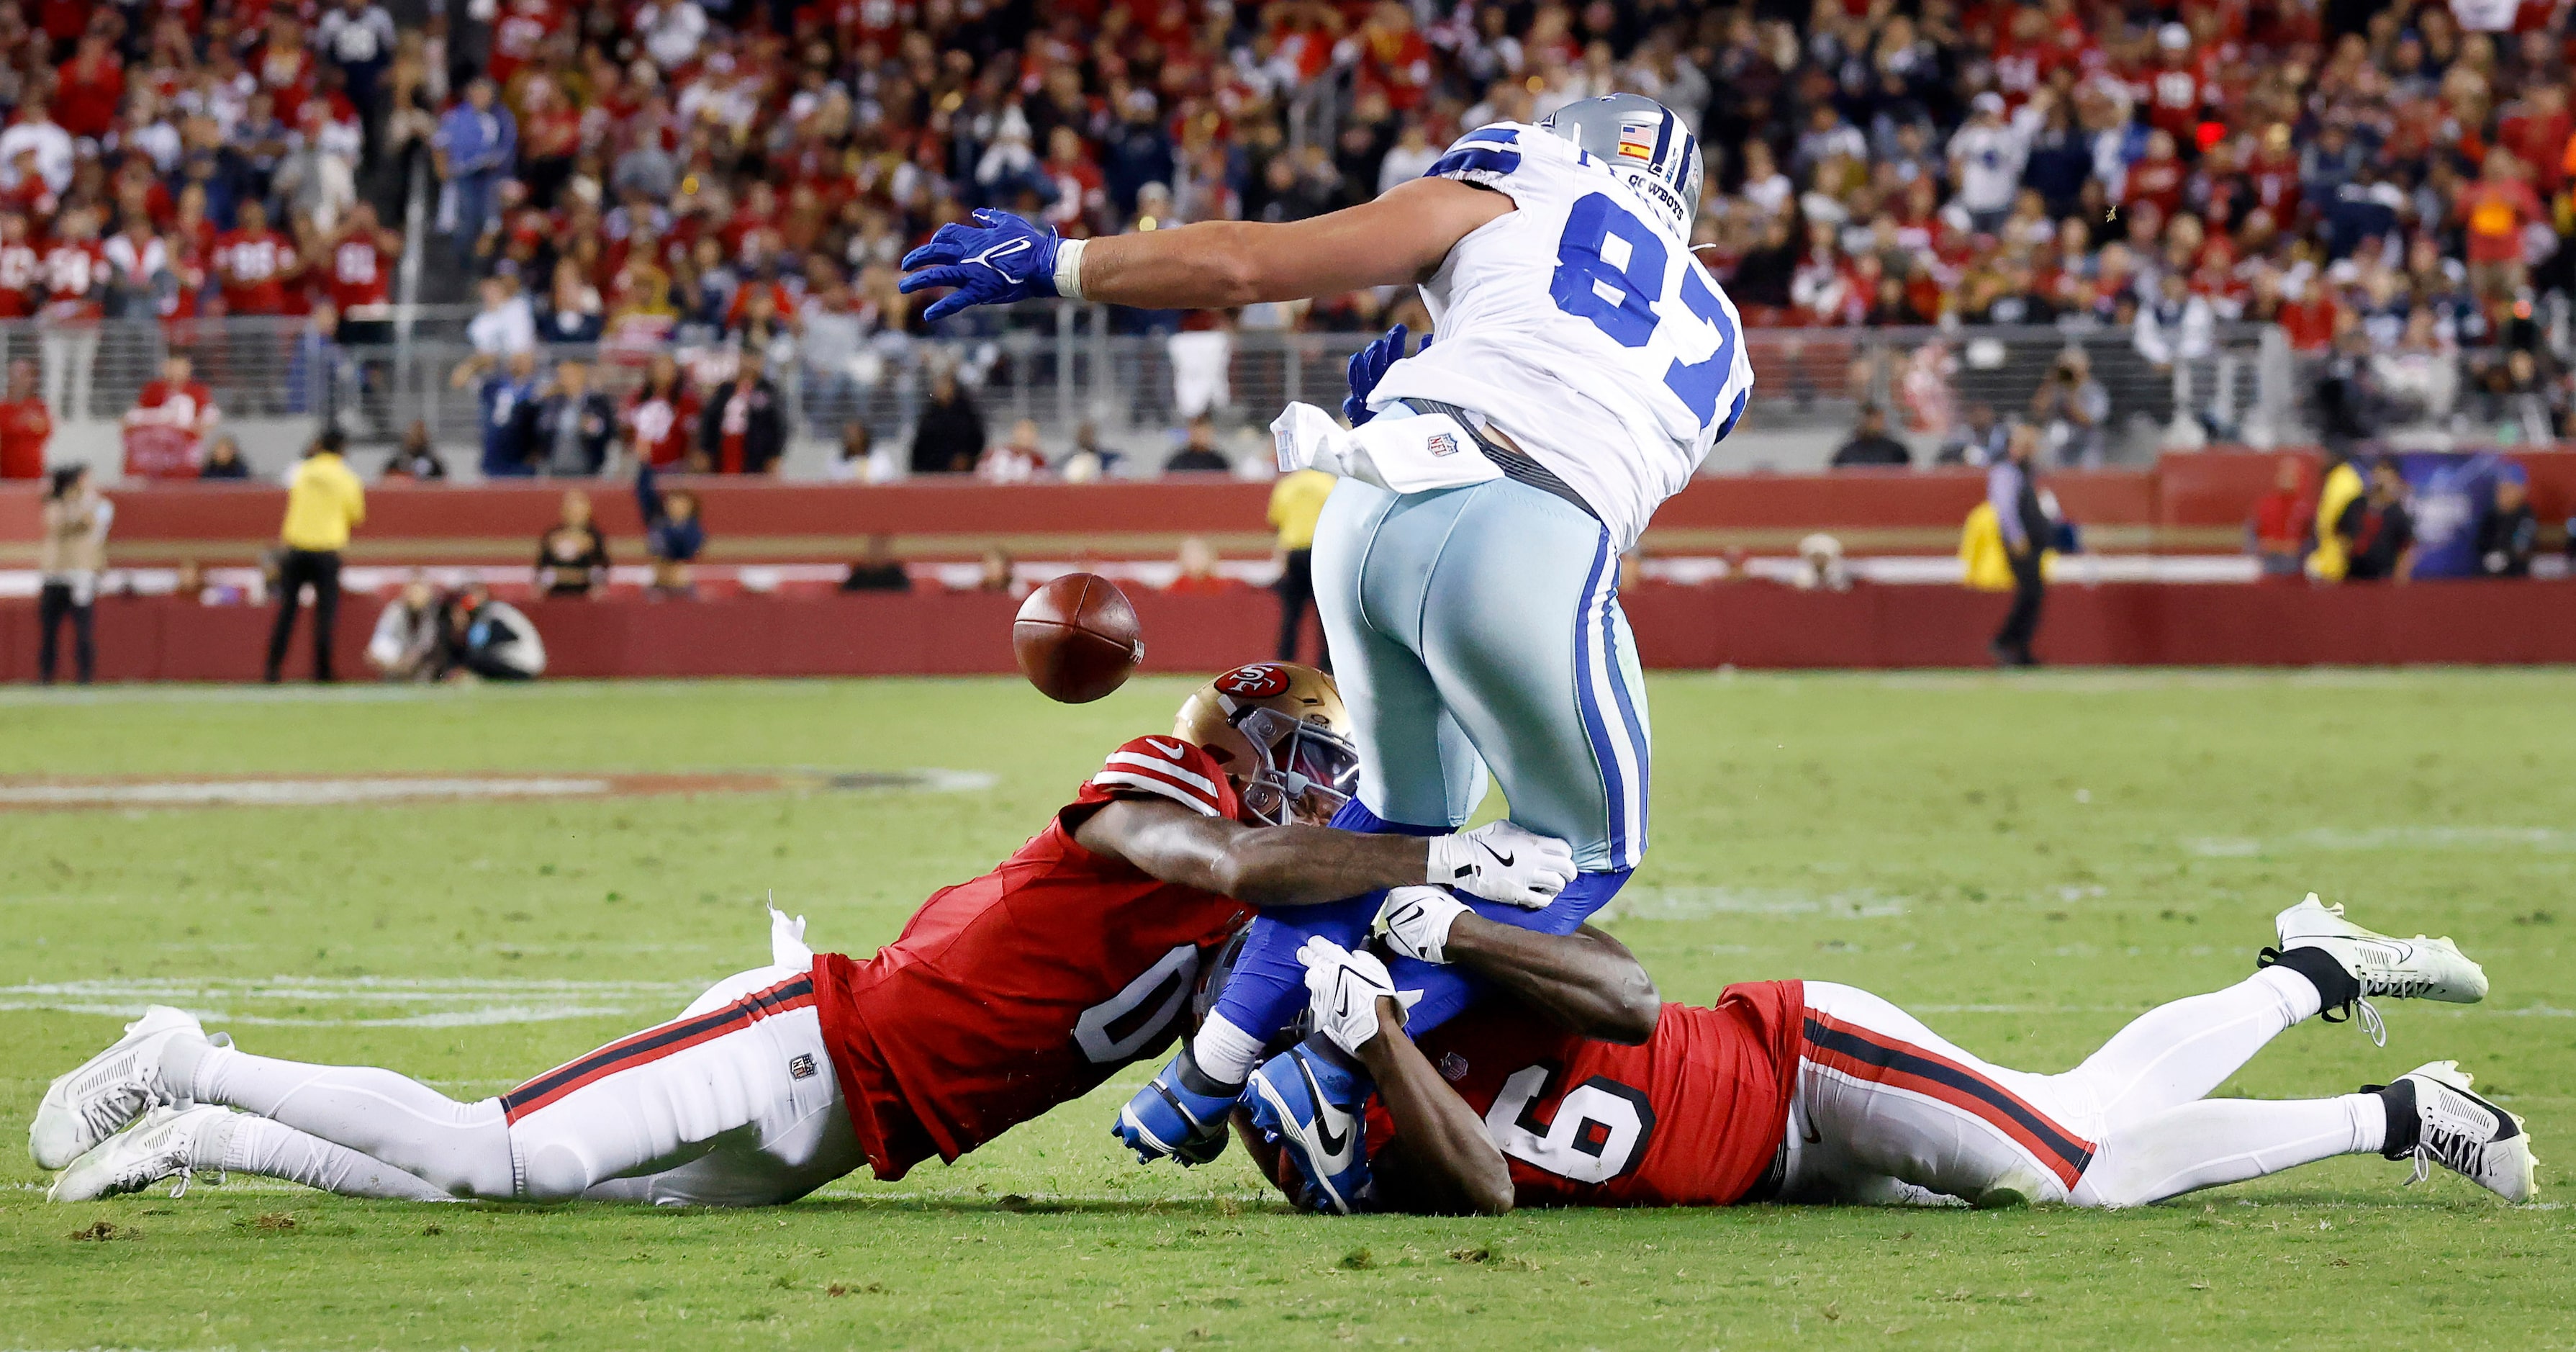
1281 734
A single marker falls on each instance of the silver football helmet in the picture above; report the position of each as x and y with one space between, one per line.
1642 141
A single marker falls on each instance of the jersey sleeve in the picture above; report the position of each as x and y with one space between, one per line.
1163 767
1489 155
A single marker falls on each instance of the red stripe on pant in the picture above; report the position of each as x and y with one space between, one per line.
653 1044
1902 1065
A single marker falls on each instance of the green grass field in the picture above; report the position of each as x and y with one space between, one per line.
2024 862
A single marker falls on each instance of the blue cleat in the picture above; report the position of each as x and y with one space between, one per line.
1181 1115
1308 1099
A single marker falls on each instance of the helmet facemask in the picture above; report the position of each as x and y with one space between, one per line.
1305 771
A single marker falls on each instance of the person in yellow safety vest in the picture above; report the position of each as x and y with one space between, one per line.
1981 551
1296 502
2342 485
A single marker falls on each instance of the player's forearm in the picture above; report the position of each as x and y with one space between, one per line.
1310 865
1395 240
1586 981
1211 265
1452 1166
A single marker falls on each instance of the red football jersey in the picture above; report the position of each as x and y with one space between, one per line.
254 265
1027 987
76 277
661 426
22 280
25 427
1691 1117
361 274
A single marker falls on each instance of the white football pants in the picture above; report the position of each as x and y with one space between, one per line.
1480 626
1887 1111
733 1103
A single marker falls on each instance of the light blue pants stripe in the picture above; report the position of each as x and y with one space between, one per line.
1480 627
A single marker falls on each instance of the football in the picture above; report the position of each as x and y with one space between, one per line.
1076 638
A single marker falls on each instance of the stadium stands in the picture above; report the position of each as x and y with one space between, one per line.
2387 184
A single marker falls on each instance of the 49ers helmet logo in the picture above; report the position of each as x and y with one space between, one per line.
1261 680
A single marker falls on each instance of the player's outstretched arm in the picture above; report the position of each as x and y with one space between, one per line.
1398 239
1308 865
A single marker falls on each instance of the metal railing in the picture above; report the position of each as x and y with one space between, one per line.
254 366
1063 365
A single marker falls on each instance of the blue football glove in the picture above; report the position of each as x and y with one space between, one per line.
998 259
1368 367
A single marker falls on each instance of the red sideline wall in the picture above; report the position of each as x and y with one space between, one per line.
1745 624
2187 503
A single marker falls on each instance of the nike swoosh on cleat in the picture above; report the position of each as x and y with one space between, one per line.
1335 1143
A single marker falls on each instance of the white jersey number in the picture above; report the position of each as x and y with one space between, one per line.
1600 1131
1111 1034
1610 270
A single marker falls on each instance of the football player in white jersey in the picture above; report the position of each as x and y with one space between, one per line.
1589 362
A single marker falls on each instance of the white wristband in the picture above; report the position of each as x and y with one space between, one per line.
1450 860
1068 268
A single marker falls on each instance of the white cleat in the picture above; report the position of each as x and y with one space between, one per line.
109 1090
2466 1134
2385 966
162 1144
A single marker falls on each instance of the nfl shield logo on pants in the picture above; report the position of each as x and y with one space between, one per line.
1441 443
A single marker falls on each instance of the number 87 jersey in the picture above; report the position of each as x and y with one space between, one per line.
1579 324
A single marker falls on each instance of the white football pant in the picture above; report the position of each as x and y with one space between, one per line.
1887 1111
733 1103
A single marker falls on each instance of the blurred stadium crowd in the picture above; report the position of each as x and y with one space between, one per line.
2388 183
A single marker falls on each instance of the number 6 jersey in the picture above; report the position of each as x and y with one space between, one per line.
1693 1116
1580 326
1027 987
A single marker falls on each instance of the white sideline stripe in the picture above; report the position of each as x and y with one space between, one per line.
385 988
461 1002
2543 838
478 1018
1164 767
1691 903
294 792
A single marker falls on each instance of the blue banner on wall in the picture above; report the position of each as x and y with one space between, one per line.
2448 495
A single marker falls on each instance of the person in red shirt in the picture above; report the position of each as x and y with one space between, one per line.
2312 319
2493 210
1004 997
358 266
661 417
88 88
254 264
1585 1090
2158 179
26 425
2278 530
165 431
76 280
22 268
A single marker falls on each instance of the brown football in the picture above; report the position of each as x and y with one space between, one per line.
1076 638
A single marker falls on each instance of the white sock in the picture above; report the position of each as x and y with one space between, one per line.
459 1149
2220 1141
1225 1053
244 1144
